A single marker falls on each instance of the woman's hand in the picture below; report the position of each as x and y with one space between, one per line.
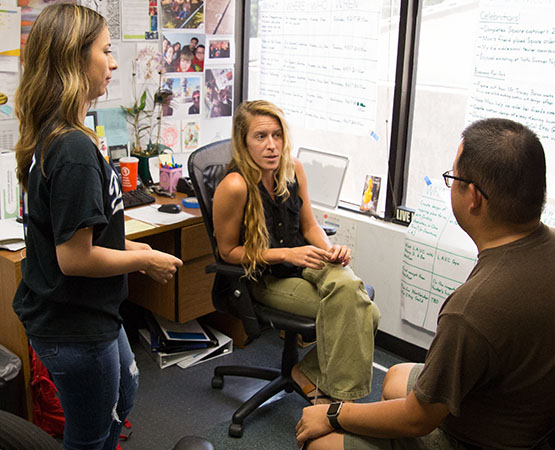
307 256
314 423
162 266
340 254
134 245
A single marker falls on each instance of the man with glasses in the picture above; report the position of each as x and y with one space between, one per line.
488 381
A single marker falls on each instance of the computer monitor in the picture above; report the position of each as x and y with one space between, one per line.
325 173
117 152
91 120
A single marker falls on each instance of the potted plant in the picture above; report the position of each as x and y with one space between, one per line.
146 112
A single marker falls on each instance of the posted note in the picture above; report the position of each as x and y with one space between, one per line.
319 62
437 258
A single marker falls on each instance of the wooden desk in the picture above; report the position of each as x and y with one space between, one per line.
187 298
12 334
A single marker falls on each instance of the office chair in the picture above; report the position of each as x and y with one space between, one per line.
230 294
547 442
17 433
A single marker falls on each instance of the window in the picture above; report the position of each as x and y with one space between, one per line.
440 94
336 87
459 40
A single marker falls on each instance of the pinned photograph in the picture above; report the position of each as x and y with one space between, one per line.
218 93
219 50
183 52
185 91
182 14
220 16
371 194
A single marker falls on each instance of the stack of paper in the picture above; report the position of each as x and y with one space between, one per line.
11 235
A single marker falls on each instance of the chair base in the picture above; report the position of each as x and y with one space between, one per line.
279 380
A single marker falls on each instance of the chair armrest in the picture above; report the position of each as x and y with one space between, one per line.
225 268
230 294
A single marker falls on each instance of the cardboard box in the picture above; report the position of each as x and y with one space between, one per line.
9 186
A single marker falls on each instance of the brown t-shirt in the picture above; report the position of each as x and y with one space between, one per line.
492 361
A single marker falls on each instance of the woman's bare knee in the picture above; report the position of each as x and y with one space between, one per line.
395 382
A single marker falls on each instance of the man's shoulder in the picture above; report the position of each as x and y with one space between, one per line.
505 277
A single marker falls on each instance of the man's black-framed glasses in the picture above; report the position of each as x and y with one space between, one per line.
448 177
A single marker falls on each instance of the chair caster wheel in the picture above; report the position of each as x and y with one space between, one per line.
217 382
236 430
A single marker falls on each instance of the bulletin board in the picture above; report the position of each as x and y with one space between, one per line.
138 30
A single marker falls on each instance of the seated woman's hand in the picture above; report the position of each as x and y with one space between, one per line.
340 254
307 256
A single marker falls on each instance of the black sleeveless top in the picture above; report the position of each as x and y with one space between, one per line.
283 221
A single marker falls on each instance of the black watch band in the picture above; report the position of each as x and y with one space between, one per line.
333 413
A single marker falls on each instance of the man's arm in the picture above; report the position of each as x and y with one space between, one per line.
402 417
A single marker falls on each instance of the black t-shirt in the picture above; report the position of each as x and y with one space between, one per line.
75 188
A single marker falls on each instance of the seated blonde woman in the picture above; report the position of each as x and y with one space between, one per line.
263 220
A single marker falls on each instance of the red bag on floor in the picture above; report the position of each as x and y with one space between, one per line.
47 409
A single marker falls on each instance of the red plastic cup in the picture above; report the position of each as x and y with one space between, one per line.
129 166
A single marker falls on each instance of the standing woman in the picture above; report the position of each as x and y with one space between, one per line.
74 275
263 220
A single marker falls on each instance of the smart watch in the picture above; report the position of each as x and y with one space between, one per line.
333 413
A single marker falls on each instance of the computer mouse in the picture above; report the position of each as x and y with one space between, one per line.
171 208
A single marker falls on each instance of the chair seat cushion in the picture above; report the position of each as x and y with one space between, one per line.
283 320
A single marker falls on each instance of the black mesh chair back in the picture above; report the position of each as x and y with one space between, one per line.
207 166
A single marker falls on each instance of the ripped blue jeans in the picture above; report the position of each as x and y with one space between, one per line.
97 383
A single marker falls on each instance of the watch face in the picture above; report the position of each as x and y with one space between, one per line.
334 407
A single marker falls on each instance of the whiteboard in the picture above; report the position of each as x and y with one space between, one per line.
330 66
325 174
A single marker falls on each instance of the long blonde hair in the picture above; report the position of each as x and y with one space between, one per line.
53 89
256 238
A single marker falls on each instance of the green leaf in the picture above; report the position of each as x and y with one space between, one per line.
142 104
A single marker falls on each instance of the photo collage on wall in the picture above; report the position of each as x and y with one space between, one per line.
197 67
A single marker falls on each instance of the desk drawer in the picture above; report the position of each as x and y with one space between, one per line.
195 285
144 291
194 242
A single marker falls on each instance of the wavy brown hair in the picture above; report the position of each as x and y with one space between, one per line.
256 238
53 90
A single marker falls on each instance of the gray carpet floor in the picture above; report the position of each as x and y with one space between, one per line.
174 402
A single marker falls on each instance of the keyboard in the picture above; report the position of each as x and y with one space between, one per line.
136 198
